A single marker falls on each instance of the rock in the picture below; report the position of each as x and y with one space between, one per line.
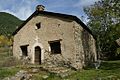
21 75
62 75
7 78
35 70
45 77
14 78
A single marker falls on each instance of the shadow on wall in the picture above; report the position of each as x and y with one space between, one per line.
86 42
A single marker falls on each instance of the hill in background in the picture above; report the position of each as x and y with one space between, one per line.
8 23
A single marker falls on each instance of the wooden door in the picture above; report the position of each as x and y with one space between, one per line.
37 55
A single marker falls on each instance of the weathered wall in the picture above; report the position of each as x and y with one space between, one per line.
84 46
88 43
52 28
78 56
74 40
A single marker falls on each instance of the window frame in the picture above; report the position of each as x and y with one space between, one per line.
52 45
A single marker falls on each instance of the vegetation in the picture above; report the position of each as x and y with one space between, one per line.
6 72
8 23
104 21
109 70
7 63
5 41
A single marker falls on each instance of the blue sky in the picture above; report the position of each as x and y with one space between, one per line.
24 8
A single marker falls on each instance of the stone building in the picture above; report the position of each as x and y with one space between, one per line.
54 37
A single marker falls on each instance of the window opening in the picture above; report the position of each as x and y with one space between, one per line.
55 47
38 25
24 50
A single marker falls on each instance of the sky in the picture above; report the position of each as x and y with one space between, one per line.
24 8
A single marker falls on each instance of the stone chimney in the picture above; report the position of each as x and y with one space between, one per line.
40 8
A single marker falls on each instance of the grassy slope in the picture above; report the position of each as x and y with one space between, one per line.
8 23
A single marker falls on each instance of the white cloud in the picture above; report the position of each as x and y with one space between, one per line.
22 9
80 5
23 13
84 3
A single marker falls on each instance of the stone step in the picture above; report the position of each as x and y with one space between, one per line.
56 69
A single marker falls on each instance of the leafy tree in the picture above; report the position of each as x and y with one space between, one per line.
104 21
5 41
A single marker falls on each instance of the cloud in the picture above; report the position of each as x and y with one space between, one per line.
84 3
23 13
80 6
24 8
20 8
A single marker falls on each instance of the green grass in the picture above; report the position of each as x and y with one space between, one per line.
7 72
109 70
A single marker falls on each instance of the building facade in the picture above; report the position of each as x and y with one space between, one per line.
47 36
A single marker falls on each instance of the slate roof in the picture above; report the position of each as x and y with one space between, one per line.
66 16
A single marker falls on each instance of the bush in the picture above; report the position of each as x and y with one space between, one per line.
10 61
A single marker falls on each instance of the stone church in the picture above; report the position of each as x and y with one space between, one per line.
54 37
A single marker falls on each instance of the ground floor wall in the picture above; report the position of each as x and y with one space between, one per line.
66 57
76 52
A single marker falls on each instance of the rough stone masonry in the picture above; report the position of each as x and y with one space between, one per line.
54 37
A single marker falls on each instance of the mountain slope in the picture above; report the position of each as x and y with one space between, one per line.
8 23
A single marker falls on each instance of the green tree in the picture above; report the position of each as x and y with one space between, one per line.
104 21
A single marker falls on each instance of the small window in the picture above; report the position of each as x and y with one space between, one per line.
38 25
24 50
55 47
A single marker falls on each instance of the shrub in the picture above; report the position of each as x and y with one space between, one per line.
10 61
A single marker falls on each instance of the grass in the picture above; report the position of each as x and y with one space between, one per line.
7 72
105 72
109 70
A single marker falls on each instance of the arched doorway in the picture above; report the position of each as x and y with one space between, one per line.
37 55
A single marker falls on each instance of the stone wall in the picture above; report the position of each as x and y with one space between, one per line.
77 45
85 47
79 53
52 28
89 48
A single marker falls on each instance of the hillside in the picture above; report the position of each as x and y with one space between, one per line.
8 23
